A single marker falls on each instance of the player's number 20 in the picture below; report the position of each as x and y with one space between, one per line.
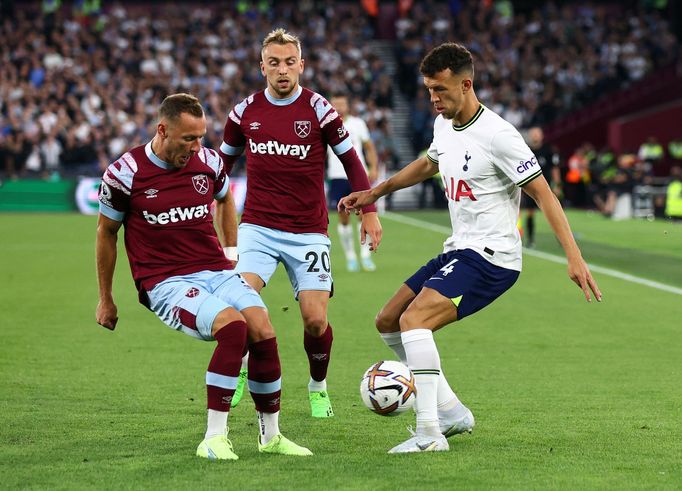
314 259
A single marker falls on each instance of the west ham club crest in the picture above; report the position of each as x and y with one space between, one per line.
302 128
200 183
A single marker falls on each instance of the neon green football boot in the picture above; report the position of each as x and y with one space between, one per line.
279 444
216 448
320 405
241 384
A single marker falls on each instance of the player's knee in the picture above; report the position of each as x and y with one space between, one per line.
410 319
259 326
315 324
386 322
224 318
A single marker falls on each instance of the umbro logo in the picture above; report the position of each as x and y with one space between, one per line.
319 356
151 193
254 125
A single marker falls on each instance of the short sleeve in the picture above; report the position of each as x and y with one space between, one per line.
513 157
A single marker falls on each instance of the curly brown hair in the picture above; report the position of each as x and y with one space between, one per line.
448 55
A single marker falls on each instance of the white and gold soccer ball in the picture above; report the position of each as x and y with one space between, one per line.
387 388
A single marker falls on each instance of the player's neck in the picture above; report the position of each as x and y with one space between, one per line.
156 148
274 95
468 111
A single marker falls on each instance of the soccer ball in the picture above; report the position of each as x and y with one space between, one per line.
387 388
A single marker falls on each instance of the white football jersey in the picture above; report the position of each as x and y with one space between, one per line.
359 134
483 165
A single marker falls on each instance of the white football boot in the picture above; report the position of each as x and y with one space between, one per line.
454 427
422 443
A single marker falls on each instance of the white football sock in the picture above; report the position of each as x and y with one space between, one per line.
268 425
245 361
365 253
315 386
448 402
346 237
217 423
423 360
395 342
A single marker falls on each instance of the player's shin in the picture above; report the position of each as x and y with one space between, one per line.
424 361
222 373
449 405
265 385
319 350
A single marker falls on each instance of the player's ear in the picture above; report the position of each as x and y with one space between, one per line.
262 68
161 130
302 64
466 85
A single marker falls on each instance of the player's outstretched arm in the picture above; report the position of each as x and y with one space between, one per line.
105 252
413 173
578 270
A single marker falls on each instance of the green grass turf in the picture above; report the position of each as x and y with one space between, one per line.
566 394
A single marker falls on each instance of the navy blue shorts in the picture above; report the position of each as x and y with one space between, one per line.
338 188
466 278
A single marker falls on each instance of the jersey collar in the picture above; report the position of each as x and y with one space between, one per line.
471 121
155 160
284 102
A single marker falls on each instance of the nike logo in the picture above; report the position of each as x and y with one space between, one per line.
427 446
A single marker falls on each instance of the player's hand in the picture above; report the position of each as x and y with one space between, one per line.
581 276
107 314
356 201
371 225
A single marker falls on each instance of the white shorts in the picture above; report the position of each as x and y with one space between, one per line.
190 303
304 256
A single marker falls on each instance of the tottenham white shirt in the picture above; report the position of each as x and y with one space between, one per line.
483 164
359 134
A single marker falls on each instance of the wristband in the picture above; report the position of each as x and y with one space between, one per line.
231 253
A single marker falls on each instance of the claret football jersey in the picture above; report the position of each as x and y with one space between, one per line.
285 141
166 213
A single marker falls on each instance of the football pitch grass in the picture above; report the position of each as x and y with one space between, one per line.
566 394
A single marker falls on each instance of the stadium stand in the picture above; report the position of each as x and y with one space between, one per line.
78 79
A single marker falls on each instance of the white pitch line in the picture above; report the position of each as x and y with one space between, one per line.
542 255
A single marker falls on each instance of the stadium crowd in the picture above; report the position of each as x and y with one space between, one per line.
538 65
78 87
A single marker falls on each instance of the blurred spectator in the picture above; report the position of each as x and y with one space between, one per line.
619 187
548 160
51 151
673 204
602 170
578 176
675 151
650 153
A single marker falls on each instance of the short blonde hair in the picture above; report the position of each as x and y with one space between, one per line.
281 36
